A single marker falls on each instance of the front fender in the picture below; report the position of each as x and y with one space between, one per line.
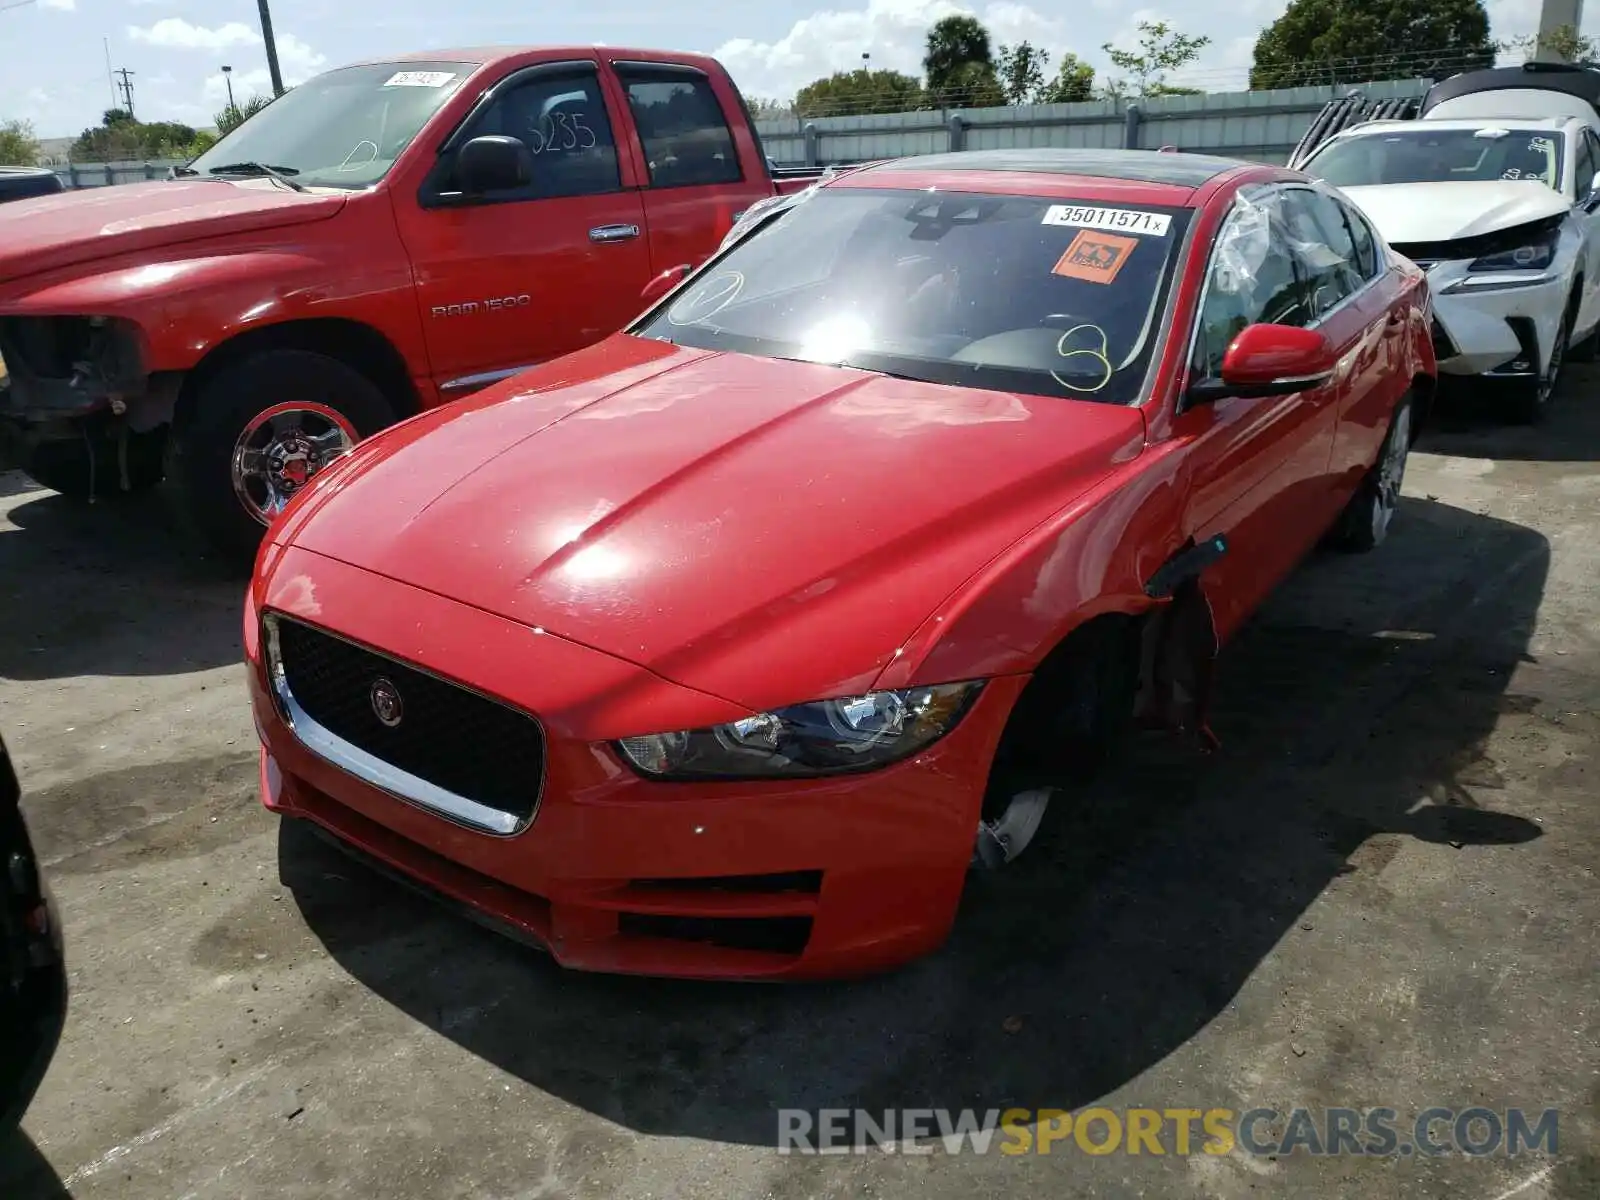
1091 558
186 307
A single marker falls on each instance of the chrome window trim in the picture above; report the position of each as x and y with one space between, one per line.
370 769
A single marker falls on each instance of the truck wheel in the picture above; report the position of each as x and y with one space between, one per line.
64 466
1364 524
260 429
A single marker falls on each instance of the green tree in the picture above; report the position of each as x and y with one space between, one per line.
763 108
1074 82
18 146
1020 70
230 119
1360 41
959 65
850 93
1161 49
1564 40
119 137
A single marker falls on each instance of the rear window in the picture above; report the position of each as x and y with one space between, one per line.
1017 293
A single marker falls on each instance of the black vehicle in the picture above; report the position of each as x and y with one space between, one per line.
33 975
21 183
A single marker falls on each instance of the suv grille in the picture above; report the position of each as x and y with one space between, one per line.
453 737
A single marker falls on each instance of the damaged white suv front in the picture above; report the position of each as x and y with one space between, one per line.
1503 219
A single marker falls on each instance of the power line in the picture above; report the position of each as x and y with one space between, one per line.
16 4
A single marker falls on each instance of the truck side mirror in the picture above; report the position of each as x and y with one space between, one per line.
493 163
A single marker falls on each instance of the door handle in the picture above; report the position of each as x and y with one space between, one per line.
613 233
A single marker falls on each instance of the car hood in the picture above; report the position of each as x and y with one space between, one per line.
1443 212
765 531
50 232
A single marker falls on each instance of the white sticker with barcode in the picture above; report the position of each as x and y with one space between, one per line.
1123 220
419 79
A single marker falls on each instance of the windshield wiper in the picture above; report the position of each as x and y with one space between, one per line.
184 172
254 168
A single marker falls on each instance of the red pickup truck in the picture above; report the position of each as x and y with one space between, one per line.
380 240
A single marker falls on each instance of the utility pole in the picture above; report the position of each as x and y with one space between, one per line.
272 49
127 88
1555 16
227 73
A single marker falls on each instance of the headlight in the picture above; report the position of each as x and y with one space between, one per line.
1537 254
825 737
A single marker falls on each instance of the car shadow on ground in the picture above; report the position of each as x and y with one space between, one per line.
24 1171
1351 713
107 589
1468 421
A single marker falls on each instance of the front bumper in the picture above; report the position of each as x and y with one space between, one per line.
1503 333
793 879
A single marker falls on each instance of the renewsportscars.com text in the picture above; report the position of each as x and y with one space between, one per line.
1382 1132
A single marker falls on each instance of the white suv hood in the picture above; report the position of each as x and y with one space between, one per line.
1441 212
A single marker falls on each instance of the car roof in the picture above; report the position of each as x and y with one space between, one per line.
1113 176
1460 123
484 55
1135 166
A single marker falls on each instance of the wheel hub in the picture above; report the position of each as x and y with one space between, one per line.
281 450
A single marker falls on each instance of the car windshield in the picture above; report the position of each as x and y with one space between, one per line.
1440 155
342 129
1015 293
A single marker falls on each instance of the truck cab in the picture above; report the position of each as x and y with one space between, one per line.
385 238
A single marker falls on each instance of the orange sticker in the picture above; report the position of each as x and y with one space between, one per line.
1095 256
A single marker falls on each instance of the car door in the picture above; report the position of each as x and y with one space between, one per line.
1359 314
1588 213
694 178
1253 463
515 277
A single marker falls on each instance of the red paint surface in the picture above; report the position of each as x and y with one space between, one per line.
639 538
194 263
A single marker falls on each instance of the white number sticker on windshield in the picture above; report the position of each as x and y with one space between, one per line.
1124 220
419 79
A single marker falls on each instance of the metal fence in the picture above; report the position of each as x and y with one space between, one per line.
1262 126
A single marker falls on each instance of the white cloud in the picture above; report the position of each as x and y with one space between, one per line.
63 5
894 32
296 60
174 33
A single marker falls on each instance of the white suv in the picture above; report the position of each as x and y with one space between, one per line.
1503 214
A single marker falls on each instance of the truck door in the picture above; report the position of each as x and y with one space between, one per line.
694 176
516 277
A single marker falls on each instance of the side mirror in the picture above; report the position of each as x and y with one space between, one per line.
493 163
664 283
1269 360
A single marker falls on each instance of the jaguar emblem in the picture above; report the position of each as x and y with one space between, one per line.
386 703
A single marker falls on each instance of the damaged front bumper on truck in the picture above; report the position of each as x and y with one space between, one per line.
77 379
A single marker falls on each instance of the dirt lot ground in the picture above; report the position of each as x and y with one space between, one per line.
1382 891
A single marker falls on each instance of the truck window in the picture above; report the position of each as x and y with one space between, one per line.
562 120
686 137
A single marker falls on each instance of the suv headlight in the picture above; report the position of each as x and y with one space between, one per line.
824 737
1534 255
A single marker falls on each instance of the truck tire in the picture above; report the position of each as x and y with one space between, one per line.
64 466
258 430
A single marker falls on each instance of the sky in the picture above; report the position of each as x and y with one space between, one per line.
53 69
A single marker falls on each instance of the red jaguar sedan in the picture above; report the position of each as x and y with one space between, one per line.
729 646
